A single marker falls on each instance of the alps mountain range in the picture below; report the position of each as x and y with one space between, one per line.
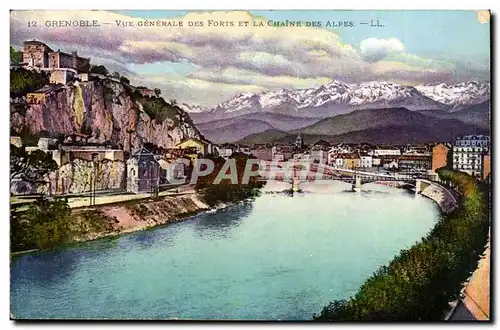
288 110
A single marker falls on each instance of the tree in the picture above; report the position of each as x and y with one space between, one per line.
23 81
124 80
99 69
15 56
157 92
48 223
29 166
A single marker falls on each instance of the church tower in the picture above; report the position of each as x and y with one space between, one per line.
299 142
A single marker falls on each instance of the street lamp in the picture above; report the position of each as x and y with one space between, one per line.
93 183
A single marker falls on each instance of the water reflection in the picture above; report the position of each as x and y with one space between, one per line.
165 236
47 267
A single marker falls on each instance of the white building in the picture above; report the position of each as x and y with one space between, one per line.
225 152
386 151
366 161
468 153
334 151
339 162
319 155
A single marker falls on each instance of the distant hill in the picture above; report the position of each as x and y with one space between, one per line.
264 137
478 114
235 128
395 126
365 119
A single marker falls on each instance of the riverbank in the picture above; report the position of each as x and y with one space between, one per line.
137 215
272 252
419 282
475 301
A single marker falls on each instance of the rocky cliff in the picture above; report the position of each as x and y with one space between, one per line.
107 110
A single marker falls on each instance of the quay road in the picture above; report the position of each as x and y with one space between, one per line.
103 197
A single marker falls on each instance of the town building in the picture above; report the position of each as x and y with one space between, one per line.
66 154
412 162
386 151
338 162
340 148
468 153
486 169
244 150
262 152
40 95
195 148
282 152
17 141
439 156
62 76
319 154
389 162
37 54
143 172
348 161
366 160
226 150
335 150
416 150
84 76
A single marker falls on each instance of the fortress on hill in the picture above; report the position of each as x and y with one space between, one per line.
37 54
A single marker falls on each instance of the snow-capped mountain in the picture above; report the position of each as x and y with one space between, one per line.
192 108
326 100
459 95
338 98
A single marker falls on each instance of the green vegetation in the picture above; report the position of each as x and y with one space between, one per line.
109 94
124 80
49 223
78 106
160 110
420 281
15 56
26 135
31 166
156 107
225 192
24 81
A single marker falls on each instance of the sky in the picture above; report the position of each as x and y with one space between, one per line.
209 64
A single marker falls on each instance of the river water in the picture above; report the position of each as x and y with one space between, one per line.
277 258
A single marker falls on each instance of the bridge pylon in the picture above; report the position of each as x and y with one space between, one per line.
357 183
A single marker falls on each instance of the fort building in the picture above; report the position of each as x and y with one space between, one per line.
37 54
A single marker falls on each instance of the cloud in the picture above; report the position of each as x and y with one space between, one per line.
248 77
219 60
373 49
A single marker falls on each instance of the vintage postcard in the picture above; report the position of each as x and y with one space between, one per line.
250 165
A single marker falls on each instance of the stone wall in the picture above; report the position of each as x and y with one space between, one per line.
437 193
75 177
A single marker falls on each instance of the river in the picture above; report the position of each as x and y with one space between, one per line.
277 258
